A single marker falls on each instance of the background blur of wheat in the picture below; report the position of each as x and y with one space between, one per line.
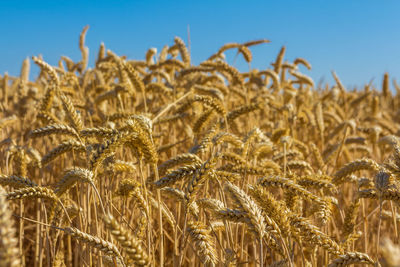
160 162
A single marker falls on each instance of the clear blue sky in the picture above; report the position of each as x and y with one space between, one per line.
360 39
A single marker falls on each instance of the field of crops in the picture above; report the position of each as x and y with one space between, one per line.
160 162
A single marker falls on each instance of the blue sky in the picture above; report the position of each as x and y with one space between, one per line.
359 39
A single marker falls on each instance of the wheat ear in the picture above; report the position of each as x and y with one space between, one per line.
357 165
253 212
94 241
58 129
70 145
186 158
177 175
203 243
9 255
71 176
351 258
16 181
36 192
72 115
183 51
312 235
98 132
107 148
129 244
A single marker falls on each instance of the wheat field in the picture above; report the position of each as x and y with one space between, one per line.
159 162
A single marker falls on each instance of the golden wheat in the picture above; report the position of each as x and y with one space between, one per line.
258 167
